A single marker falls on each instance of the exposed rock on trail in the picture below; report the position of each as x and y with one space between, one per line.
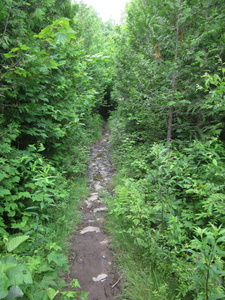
91 259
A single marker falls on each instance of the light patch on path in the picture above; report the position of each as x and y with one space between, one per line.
100 209
104 242
89 229
98 186
93 198
101 277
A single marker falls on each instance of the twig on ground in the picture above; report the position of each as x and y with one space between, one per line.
117 282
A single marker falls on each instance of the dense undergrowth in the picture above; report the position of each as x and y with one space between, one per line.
168 208
168 139
165 65
37 223
51 88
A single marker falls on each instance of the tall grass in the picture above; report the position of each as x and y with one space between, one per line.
142 279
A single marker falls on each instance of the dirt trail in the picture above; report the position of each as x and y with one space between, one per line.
91 260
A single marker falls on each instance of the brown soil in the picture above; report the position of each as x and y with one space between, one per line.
91 260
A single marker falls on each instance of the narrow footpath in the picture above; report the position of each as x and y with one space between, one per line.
91 260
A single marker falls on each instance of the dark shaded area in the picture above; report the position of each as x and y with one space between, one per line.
107 104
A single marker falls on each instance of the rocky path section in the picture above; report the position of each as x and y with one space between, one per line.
91 259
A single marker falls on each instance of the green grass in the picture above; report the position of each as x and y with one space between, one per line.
142 284
142 279
68 214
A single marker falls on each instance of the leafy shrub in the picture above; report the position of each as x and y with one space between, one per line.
181 188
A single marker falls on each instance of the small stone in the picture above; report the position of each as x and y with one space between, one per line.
98 187
101 220
100 277
89 204
93 197
100 209
89 229
104 242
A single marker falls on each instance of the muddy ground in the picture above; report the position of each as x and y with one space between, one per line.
91 259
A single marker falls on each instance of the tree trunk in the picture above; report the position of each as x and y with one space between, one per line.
170 124
174 76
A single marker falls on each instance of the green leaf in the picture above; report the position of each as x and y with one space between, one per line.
57 258
69 294
8 55
9 260
45 33
2 175
14 49
215 297
62 37
83 295
53 63
19 275
40 294
4 284
52 293
221 239
62 22
75 283
6 267
14 292
198 280
47 281
24 194
171 103
214 161
24 47
15 242
4 192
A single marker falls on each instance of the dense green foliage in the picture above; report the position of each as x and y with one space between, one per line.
163 72
168 136
51 88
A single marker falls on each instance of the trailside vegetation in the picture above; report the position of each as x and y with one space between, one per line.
51 88
168 138
163 72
